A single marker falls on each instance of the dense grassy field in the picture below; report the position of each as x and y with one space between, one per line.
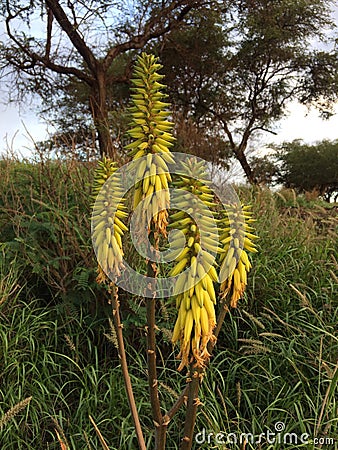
275 363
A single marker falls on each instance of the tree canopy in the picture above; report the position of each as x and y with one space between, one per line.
231 67
307 167
52 41
236 71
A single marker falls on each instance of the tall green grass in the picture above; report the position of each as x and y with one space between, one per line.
275 360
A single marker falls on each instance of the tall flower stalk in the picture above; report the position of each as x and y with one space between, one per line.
152 139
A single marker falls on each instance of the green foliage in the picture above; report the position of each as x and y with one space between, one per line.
264 169
321 83
276 356
234 73
58 360
45 226
309 167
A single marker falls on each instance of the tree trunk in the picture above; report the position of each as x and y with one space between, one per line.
100 115
239 150
240 155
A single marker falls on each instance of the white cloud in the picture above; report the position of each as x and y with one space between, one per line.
307 125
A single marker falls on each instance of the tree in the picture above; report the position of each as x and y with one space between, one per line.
236 70
81 41
265 170
69 115
307 167
231 68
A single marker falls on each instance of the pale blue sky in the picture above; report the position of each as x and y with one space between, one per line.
300 124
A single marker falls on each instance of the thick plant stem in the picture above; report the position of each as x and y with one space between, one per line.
191 412
160 431
160 421
122 356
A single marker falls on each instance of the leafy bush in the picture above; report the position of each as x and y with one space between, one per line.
276 356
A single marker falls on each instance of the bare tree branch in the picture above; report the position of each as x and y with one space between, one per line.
73 35
34 58
155 28
49 32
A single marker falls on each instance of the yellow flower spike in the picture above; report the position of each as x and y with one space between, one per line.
197 285
152 136
106 231
237 240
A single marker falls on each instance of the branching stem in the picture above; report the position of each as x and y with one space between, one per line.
179 402
220 319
